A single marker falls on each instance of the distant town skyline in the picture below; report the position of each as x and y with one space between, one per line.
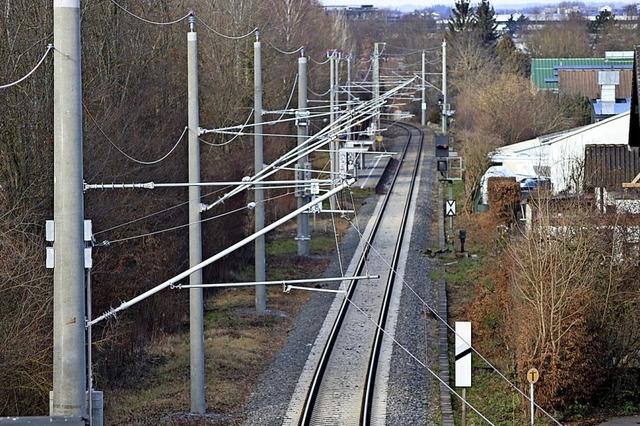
407 5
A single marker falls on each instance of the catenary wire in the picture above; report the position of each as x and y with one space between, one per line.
320 95
148 21
237 135
318 62
173 228
227 36
293 90
121 151
27 75
358 115
264 123
285 52
175 206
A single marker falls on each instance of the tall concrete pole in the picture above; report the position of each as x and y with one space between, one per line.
349 59
423 106
336 103
196 300
376 78
445 108
332 87
304 235
333 145
258 161
337 82
69 339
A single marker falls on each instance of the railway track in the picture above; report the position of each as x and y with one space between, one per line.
343 388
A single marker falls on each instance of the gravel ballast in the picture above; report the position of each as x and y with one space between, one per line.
411 390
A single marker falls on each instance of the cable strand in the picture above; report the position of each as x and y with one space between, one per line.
285 52
149 21
121 151
34 69
227 36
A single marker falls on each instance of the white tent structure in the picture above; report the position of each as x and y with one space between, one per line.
558 157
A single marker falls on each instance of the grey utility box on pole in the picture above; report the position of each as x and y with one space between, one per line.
258 162
303 172
196 300
69 339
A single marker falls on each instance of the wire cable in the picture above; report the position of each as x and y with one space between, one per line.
318 62
437 315
264 123
237 135
157 213
285 52
227 36
135 160
415 358
27 75
431 49
356 116
148 21
173 228
320 95
293 90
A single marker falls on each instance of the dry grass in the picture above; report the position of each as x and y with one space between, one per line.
239 346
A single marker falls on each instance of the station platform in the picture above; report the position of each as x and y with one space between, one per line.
375 165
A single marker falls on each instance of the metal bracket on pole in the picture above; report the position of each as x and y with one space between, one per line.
288 288
302 118
279 282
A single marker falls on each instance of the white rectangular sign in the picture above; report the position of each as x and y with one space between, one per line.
463 354
450 208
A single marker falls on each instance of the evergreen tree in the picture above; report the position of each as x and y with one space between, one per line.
510 58
486 22
602 21
516 26
462 18
601 25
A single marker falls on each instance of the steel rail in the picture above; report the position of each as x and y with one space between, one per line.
369 390
314 388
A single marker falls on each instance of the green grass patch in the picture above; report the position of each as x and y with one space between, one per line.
288 246
464 270
282 246
361 193
435 275
458 190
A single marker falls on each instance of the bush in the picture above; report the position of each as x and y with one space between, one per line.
504 198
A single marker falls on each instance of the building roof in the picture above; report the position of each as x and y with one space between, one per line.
634 126
544 71
559 157
601 109
608 166
585 83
